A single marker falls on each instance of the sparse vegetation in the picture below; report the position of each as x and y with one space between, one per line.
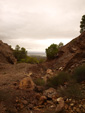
59 79
71 91
39 82
63 77
79 73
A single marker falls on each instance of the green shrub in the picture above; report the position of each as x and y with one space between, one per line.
63 77
59 79
41 60
32 60
52 82
52 50
71 91
39 82
79 73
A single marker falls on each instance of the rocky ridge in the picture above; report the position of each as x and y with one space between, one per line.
71 55
6 54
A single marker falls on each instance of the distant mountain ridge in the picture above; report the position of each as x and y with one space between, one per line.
42 54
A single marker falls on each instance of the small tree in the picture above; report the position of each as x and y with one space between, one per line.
52 50
20 53
23 53
17 52
17 48
60 45
82 24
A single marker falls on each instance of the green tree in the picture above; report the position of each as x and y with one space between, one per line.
60 45
23 53
20 53
17 48
52 50
82 24
17 52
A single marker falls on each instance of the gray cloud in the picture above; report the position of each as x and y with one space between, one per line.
34 20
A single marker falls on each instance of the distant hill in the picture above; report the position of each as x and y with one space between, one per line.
41 54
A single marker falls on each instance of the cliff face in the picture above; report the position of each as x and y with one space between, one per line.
6 54
71 55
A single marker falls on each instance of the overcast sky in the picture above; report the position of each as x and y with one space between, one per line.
35 24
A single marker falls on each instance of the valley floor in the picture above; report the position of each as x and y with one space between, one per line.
16 100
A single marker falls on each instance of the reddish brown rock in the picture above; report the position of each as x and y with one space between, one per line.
49 71
60 105
42 99
50 93
6 54
27 83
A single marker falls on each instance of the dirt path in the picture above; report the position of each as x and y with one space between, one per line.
12 73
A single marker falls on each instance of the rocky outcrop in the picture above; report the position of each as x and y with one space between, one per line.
6 54
27 83
71 55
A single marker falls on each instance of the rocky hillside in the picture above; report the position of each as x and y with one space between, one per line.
6 54
30 88
71 55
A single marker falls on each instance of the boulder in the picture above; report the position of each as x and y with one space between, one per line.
49 74
43 99
60 105
49 71
50 93
46 77
27 83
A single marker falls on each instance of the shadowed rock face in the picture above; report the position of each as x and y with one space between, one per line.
6 54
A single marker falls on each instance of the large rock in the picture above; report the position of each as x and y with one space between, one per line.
49 71
42 99
27 83
60 105
49 74
6 54
50 93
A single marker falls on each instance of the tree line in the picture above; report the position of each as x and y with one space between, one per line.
21 55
